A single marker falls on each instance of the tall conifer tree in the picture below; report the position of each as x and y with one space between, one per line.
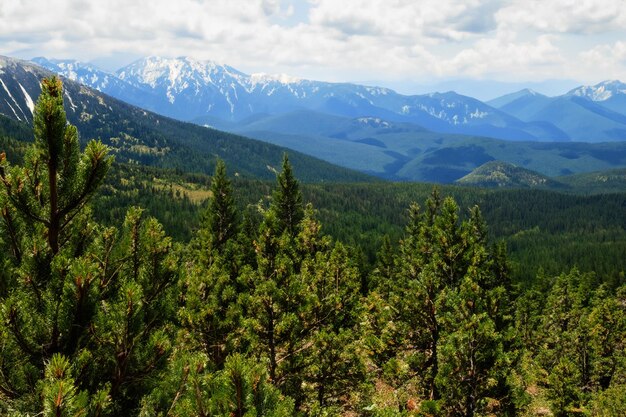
84 321
221 215
287 200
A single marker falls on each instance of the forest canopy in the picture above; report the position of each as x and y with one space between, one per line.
260 313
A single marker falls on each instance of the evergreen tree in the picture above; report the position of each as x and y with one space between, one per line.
607 333
473 361
61 396
211 312
73 294
49 292
333 363
382 276
580 345
452 307
221 215
275 297
57 180
240 389
287 200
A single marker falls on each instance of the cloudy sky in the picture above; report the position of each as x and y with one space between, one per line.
406 44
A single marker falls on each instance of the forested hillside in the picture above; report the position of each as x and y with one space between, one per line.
257 312
137 136
544 230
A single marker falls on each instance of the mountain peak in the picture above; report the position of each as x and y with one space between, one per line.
601 91
82 72
528 92
511 97
175 75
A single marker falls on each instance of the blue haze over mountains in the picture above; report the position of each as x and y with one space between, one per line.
437 137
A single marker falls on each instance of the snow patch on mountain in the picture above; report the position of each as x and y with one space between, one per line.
14 102
600 92
263 78
69 98
28 99
373 122
477 114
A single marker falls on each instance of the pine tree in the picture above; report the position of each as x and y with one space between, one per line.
381 278
275 296
211 311
221 215
287 200
75 295
333 363
61 396
57 180
241 389
452 308
49 288
473 361
580 344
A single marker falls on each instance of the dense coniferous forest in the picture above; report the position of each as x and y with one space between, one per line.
251 298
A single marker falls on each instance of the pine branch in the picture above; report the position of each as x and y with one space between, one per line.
180 390
8 220
19 338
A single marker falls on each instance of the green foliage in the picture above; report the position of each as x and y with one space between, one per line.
221 217
287 200
57 180
240 389
71 293
447 308
270 316
610 403
61 397
578 334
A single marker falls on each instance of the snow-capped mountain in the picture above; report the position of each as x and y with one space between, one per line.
19 89
139 137
600 92
81 72
609 94
206 92
194 89
365 128
98 79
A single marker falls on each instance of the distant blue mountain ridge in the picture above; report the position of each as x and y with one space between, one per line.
438 137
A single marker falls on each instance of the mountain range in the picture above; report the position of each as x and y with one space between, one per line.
206 92
137 136
437 137
585 114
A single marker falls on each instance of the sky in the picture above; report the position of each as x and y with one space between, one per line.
479 47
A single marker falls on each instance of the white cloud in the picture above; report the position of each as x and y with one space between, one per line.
407 20
331 39
609 60
501 55
565 16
